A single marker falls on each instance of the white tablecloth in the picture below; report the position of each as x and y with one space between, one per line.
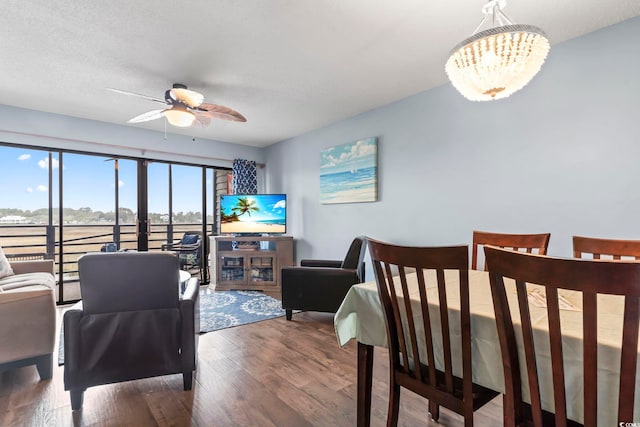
360 317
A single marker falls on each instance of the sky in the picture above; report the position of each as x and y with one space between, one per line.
89 181
355 155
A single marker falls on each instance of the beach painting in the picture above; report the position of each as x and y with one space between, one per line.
349 172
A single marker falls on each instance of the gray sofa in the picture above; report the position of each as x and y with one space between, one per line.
28 316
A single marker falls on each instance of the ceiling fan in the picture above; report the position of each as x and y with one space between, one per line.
185 107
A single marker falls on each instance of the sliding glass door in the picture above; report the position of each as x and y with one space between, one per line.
177 205
99 199
67 204
27 203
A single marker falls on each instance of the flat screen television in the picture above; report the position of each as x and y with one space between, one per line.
253 214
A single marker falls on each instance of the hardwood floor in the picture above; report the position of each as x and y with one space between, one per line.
271 373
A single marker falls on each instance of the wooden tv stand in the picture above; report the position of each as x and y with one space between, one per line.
254 263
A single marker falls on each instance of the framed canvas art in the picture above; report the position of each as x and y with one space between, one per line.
349 172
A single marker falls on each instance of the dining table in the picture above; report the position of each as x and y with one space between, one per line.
360 317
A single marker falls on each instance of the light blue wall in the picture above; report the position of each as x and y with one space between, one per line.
560 156
21 126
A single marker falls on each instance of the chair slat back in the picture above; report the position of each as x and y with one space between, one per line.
589 277
530 243
609 248
401 316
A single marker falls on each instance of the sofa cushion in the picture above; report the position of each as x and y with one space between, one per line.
28 285
27 279
5 267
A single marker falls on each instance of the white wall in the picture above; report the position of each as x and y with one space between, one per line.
21 126
560 156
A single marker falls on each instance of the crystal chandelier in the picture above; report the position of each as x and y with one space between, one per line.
497 62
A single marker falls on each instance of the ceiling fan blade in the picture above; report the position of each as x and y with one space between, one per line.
148 116
202 120
189 97
221 112
139 95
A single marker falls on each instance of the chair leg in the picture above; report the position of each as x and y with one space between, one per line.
394 405
77 397
45 366
468 417
187 379
434 410
289 314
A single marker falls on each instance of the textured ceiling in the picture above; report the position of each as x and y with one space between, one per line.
289 66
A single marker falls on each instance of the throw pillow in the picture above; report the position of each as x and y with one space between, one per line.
190 239
5 267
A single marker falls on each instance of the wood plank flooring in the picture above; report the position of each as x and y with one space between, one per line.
271 373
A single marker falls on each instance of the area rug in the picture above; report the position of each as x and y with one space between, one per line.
225 309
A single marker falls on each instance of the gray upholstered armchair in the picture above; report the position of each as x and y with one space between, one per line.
321 285
131 323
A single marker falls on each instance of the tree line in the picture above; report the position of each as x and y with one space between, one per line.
87 215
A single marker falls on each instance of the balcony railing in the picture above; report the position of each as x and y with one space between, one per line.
20 241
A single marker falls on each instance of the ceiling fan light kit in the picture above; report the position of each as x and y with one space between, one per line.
185 108
495 63
179 116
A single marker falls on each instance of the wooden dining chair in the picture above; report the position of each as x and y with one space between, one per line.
609 248
412 329
591 278
530 243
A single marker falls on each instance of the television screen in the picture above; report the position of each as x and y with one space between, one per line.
253 213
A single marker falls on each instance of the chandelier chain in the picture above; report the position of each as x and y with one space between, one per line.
493 9
491 5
